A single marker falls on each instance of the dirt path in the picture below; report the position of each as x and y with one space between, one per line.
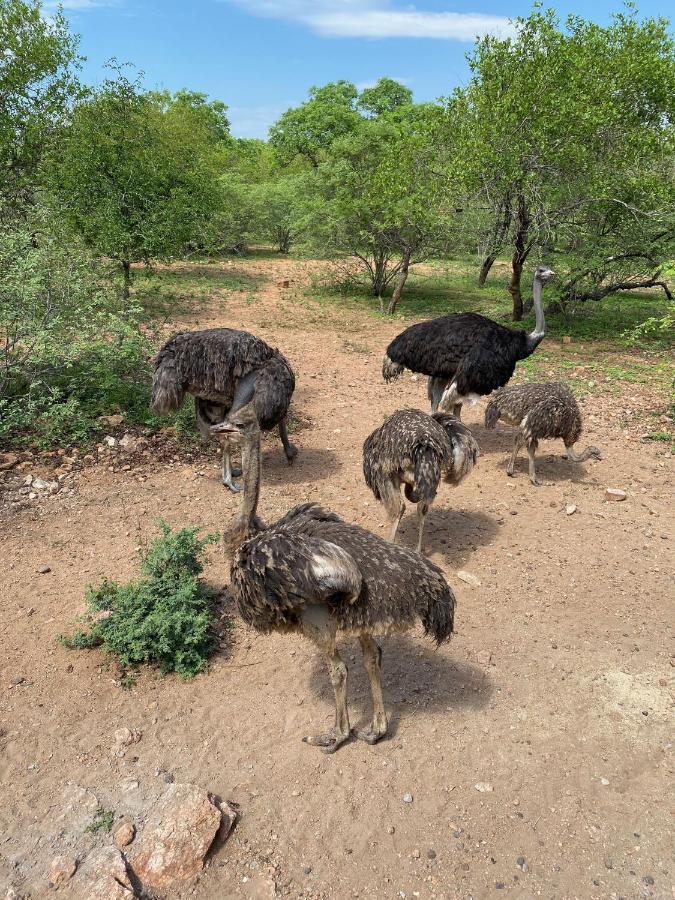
555 691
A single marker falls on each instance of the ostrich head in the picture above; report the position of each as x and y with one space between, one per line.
542 275
243 422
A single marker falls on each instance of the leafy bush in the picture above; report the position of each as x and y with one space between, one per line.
163 617
72 351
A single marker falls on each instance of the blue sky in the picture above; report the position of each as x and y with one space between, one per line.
261 56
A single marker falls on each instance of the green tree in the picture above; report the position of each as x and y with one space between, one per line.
384 97
309 130
279 209
380 202
134 177
38 69
559 134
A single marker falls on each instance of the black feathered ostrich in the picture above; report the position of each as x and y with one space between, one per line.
539 411
414 450
224 369
314 574
465 355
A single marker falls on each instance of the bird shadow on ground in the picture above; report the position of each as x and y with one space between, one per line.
312 464
454 533
415 679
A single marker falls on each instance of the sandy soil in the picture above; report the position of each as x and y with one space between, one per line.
555 690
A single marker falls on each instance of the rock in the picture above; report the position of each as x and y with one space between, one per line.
468 578
179 831
484 657
416 853
7 461
521 862
615 494
484 787
604 781
570 509
62 870
431 854
114 420
407 798
40 484
110 441
566 339
124 834
19 679
124 738
103 876
128 442
28 480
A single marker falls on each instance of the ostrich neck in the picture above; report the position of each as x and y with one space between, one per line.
247 522
535 337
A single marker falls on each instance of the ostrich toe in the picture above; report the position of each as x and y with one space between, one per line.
328 742
232 485
370 735
291 453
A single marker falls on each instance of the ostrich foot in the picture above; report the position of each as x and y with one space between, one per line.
371 734
510 473
232 485
328 742
291 452
536 482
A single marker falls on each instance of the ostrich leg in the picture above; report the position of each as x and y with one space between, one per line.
531 450
290 450
435 388
520 440
228 471
372 660
317 627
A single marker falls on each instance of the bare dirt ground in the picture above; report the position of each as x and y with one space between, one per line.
554 694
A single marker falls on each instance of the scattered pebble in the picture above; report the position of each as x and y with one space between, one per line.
468 578
570 509
484 787
391 830
43 570
307 870
19 679
124 834
416 853
407 798
604 781
431 853
648 879
615 494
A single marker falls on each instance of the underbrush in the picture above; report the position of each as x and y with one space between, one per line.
163 617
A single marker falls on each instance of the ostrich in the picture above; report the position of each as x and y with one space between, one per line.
314 574
416 450
224 369
539 411
465 355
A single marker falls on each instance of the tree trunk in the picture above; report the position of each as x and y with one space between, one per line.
378 275
499 232
126 271
520 252
400 283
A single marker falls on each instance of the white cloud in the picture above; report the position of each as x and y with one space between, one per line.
377 19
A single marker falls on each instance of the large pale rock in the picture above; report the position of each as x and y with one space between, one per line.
178 833
103 876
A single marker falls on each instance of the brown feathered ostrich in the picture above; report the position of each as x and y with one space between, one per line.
465 355
224 369
539 411
417 451
314 574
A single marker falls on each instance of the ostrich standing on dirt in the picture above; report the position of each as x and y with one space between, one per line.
314 574
465 355
539 411
224 369
416 450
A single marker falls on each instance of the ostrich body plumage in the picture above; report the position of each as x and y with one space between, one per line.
540 411
465 355
224 368
415 450
317 575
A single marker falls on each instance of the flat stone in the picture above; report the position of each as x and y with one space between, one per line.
103 876
124 834
179 831
484 787
468 578
615 494
62 870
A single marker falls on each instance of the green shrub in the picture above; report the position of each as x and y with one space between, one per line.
164 617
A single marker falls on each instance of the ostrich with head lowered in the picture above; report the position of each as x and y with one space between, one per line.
313 574
465 355
415 451
224 369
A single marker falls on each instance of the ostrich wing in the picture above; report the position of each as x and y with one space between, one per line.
277 574
484 368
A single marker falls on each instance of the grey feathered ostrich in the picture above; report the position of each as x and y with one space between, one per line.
224 369
416 450
465 355
539 411
314 574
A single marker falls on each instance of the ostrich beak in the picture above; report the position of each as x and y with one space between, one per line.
225 428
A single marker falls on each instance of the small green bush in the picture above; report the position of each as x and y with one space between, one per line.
164 617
